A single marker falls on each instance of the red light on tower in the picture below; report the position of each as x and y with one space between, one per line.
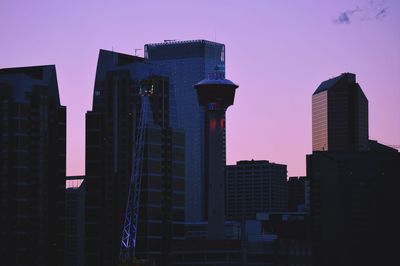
213 124
222 123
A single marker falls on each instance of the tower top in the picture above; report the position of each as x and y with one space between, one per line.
217 77
216 92
330 83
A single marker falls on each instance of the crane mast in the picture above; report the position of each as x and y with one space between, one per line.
129 233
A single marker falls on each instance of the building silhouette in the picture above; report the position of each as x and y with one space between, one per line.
189 62
74 220
216 94
353 183
255 186
352 197
339 115
298 194
207 252
32 167
278 238
110 140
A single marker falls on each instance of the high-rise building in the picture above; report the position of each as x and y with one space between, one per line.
298 194
216 94
110 140
32 167
189 62
255 186
339 115
353 180
74 220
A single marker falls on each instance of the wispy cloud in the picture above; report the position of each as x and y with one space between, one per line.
372 10
381 14
345 17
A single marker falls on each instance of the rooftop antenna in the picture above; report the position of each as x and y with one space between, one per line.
215 49
137 49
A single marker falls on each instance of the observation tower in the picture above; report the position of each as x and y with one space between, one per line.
216 94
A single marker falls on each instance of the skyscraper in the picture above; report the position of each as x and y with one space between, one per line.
216 94
110 139
339 115
255 186
32 167
353 181
189 62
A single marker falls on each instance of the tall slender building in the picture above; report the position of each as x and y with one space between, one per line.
339 115
189 62
110 139
32 167
216 94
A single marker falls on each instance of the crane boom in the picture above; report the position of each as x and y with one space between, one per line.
129 233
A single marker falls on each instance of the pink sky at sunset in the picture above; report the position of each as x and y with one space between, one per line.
278 52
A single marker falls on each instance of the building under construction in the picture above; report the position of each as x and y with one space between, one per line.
111 131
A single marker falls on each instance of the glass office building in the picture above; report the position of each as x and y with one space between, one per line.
339 115
189 62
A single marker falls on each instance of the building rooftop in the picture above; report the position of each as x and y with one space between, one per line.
34 72
217 77
217 81
115 61
23 79
177 42
255 162
330 83
173 50
252 162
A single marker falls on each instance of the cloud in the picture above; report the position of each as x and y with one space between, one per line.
373 10
381 14
344 17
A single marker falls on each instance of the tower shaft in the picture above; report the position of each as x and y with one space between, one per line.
216 173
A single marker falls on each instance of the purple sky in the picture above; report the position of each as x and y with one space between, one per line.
277 51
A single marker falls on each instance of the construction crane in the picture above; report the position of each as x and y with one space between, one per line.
129 233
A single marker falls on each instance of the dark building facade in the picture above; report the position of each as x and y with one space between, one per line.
207 252
298 194
110 135
188 63
255 186
353 197
32 167
339 115
278 238
74 220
